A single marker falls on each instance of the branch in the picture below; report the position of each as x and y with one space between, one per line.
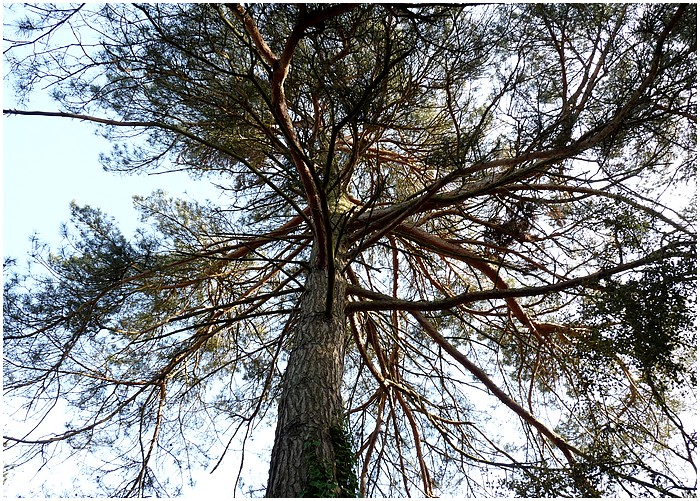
252 30
604 194
383 302
309 179
48 33
557 440
90 118
534 161
71 433
170 128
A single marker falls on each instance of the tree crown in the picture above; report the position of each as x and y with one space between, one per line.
490 184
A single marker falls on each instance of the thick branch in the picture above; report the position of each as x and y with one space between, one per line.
252 30
309 180
381 301
558 441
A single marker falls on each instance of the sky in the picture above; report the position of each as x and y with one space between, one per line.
48 162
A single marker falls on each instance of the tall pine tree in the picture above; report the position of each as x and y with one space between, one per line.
434 220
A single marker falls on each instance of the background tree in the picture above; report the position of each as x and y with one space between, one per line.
437 219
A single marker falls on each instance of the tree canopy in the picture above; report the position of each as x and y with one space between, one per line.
457 241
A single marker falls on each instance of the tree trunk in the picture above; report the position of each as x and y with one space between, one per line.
310 456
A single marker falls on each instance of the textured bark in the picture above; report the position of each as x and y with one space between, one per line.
311 407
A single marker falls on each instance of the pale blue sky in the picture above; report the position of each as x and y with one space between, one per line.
46 163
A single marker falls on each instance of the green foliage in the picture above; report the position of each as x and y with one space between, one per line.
345 462
331 480
649 320
588 478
